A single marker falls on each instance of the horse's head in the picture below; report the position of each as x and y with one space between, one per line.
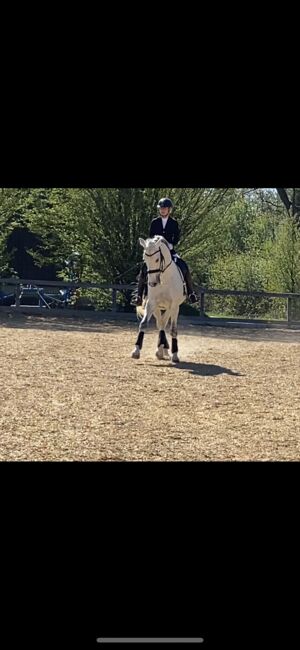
157 257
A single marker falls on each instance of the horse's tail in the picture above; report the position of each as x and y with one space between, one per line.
140 310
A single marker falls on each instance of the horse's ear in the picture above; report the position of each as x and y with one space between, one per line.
142 242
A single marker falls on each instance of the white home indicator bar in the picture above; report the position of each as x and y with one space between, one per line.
151 640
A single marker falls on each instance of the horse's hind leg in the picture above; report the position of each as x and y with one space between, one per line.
175 357
165 319
173 331
166 350
162 345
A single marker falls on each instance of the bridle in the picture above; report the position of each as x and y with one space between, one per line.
162 268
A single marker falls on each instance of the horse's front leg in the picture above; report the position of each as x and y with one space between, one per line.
173 332
162 345
143 324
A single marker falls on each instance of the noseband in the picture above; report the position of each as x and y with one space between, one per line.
161 268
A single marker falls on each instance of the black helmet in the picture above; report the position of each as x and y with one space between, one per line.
165 203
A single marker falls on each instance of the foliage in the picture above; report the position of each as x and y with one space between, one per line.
232 238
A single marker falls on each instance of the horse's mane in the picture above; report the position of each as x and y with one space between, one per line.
164 241
159 238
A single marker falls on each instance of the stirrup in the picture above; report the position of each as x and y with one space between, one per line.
192 297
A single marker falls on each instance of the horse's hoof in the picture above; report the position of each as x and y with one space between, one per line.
135 354
166 356
175 358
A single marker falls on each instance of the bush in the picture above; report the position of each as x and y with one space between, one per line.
188 310
242 272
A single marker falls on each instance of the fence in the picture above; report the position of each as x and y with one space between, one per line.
21 285
289 297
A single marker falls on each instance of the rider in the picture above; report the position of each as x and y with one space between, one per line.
168 227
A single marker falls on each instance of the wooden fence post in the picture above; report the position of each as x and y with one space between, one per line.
202 303
18 294
114 300
289 310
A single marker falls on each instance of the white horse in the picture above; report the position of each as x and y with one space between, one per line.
165 294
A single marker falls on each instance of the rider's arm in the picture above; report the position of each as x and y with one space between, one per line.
152 229
176 235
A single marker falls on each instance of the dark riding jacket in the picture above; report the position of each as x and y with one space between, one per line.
171 233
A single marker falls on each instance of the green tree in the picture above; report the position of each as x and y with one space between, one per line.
13 203
291 201
283 255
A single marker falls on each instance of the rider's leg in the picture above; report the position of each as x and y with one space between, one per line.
189 285
142 284
188 279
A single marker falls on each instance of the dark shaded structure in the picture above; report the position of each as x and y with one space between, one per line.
18 243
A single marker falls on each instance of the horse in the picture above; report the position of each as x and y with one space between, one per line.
166 292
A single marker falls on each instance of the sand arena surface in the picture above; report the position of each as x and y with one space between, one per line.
70 391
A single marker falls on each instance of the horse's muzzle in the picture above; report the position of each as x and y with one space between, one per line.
153 284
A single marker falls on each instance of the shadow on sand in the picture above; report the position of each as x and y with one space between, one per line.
202 369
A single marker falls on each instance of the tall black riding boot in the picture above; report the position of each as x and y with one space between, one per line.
189 286
142 285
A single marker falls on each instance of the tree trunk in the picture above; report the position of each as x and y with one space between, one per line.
296 204
284 198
